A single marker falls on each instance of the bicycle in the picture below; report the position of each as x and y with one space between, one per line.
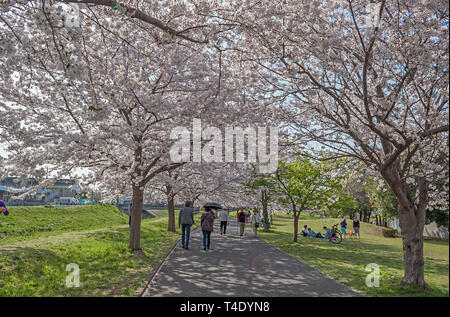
335 236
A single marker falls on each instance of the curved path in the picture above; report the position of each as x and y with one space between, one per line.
239 266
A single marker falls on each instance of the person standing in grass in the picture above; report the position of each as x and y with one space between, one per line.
207 224
344 227
356 226
186 220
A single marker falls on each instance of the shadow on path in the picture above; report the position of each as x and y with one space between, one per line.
239 266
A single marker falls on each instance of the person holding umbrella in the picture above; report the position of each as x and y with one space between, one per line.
207 224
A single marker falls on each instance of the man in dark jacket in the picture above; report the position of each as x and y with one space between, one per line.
186 220
242 220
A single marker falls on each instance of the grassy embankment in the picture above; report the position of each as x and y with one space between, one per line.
37 244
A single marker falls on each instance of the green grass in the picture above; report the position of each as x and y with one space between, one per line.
24 223
347 261
35 265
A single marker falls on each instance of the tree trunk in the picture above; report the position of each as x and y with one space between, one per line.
364 218
376 220
295 238
266 216
136 214
412 221
171 209
411 225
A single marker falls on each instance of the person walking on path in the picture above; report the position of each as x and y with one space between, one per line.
207 223
186 220
344 227
224 218
242 220
254 221
356 226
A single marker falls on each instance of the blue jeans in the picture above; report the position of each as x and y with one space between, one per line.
185 234
343 231
206 239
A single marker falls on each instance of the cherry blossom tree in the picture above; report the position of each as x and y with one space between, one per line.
105 95
363 80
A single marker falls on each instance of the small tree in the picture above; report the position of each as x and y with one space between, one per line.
306 184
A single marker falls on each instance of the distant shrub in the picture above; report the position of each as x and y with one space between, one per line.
389 233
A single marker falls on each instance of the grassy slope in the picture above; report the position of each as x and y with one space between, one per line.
36 266
346 262
25 223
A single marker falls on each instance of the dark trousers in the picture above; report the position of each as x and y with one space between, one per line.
206 239
185 234
223 227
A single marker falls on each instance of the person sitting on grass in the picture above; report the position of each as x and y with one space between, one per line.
313 234
327 232
304 232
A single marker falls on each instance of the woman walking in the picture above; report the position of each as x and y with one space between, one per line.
207 223
254 221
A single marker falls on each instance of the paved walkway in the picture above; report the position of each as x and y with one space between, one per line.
239 266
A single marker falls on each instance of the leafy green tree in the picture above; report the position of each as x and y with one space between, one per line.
381 197
345 205
306 184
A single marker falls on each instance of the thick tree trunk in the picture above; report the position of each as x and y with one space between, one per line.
171 209
136 214
412 234
412 221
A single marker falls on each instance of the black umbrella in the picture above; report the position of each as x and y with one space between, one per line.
213 205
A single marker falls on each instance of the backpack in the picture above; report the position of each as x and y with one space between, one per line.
241 217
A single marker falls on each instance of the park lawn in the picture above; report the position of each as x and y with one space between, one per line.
37 266
347 261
